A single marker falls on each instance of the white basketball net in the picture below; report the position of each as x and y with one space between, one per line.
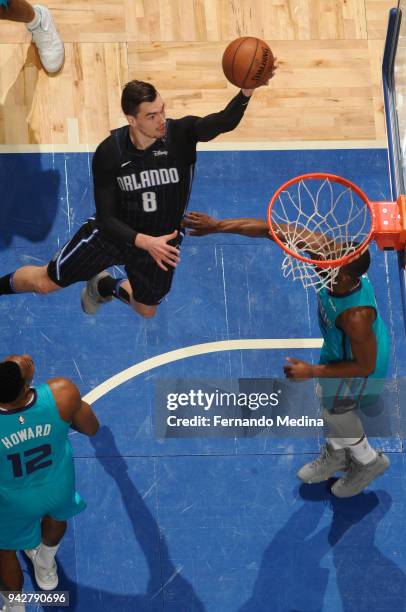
335 212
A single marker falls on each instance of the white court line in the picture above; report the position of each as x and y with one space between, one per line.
76 147
194 350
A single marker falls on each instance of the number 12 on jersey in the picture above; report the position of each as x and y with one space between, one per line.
37 455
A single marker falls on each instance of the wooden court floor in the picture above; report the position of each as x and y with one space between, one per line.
328 86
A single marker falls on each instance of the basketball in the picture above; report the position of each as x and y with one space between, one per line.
248 62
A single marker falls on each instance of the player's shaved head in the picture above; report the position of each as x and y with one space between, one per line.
134 94
11 381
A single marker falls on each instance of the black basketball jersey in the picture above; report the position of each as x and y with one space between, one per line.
155 183
148 190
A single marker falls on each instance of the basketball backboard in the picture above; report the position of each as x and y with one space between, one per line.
394 87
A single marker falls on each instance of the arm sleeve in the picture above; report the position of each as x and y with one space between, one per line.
106 194
207 128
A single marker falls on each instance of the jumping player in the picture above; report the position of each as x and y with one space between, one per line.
37 479
39 23
355 351
143 176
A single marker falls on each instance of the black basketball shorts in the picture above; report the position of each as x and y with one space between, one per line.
89 252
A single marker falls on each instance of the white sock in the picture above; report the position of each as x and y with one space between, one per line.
340 443
362 451
46 555
36 21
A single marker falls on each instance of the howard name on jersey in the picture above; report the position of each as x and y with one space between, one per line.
28 433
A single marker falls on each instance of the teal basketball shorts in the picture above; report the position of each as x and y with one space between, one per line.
21 512
342 394
4 3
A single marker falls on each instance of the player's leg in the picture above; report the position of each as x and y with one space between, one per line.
52 531
17 529
346 433
16 10
145 286
332 459
347 448
143 289
65 503
28 279
125 293
11 576
39 22
11 581
104 287
79 259
43 556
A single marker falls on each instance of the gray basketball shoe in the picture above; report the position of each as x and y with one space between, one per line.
91 300
325 466
359 476
48 41
46 578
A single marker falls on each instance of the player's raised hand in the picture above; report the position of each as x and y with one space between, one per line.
274 68
159 249
199 223
298 370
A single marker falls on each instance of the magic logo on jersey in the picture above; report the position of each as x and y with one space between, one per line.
148 178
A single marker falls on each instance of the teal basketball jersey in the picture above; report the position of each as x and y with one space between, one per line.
336 346
34 447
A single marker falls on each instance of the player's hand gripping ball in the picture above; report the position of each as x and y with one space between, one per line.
248 62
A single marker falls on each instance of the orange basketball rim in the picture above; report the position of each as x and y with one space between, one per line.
386 220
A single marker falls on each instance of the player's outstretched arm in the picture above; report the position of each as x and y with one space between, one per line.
211 126
314 243
72 408
200 224
207 128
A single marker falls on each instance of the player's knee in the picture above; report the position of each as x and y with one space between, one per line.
45 285
147 314
144 310
342 425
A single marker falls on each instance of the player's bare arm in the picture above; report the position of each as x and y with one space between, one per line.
201 224
72 408
356 323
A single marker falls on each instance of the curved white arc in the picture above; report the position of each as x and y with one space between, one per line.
193 351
